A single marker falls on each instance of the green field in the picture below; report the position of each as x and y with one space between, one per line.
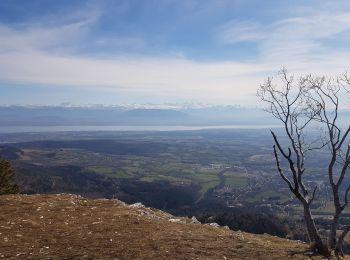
236 180
110 171
181 161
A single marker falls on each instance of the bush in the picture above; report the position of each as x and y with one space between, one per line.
7 175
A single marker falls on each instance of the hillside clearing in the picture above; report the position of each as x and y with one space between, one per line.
68 226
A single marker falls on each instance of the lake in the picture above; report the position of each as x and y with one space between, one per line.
26 129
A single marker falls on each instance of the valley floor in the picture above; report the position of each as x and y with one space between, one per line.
70 227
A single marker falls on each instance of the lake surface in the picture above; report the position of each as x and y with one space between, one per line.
30 129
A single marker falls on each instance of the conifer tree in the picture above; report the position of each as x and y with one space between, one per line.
7 175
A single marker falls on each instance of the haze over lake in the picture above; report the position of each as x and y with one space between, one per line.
26 129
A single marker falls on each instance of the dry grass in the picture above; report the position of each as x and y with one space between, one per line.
71 227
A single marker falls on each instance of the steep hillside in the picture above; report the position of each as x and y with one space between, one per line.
68 226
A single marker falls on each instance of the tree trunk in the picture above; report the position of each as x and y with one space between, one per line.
339 245
332 238
315 239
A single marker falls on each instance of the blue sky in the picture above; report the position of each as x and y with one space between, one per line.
119 52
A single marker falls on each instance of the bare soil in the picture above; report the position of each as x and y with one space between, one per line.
70 227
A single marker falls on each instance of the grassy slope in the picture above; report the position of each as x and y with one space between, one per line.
67 226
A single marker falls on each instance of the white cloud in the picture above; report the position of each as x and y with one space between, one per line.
38 38
293 39
130 42
29 56
236 31
175 76
54 33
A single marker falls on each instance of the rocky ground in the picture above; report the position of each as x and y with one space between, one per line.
70 227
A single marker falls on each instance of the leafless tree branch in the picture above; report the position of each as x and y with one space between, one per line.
298 104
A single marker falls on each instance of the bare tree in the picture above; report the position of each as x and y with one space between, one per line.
300 104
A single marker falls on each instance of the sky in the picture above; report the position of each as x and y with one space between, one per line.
115 52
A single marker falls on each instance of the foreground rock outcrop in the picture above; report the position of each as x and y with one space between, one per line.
70 227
